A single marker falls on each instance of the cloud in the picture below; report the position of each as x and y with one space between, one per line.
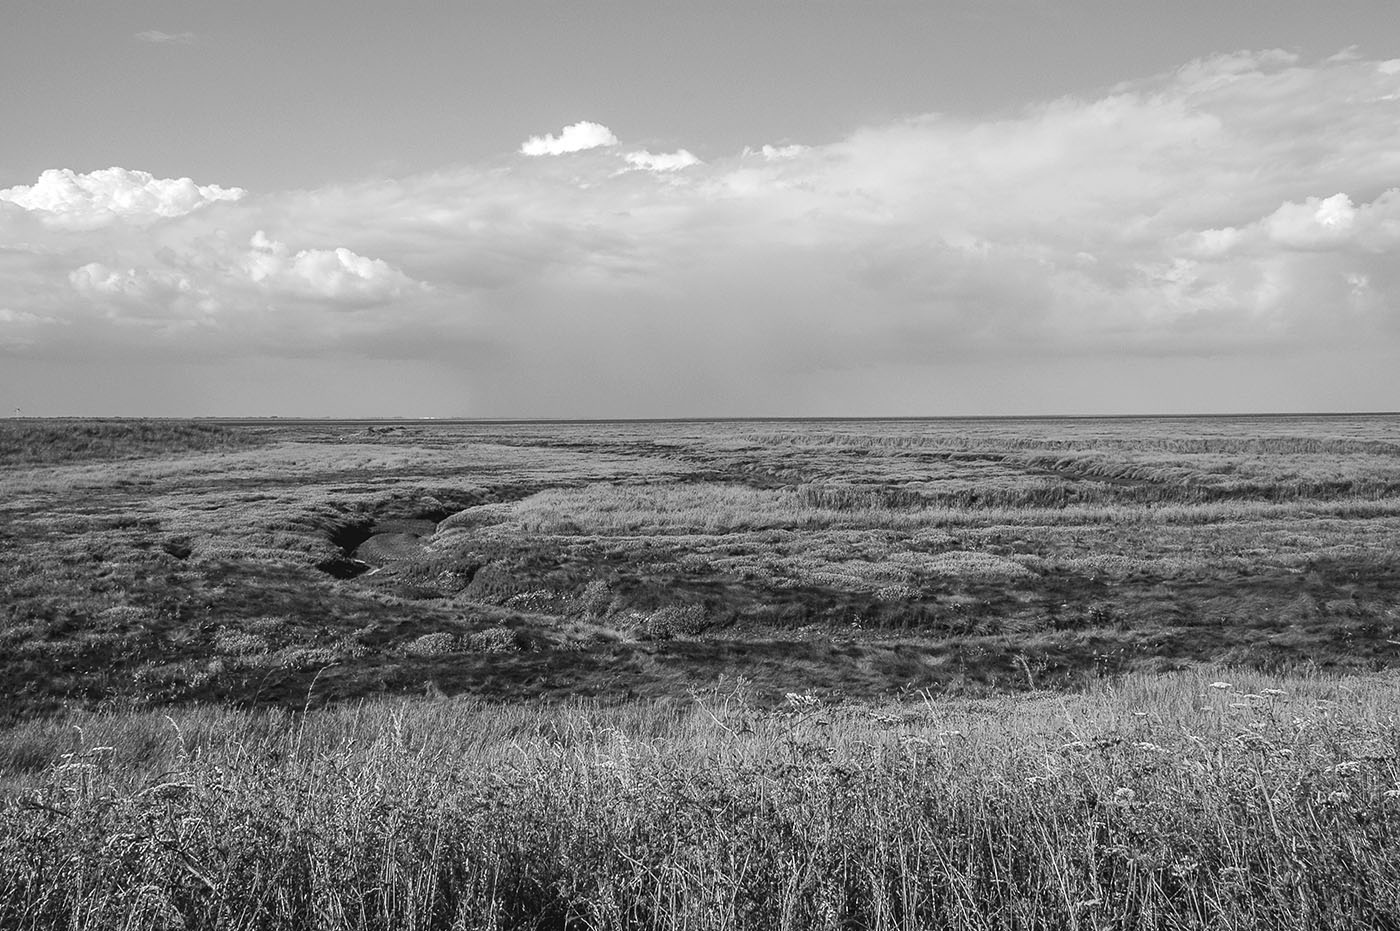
65 198
665 161
266 273
1316 222
1332 224
773 153
96 279
575 138
203 294
157 37
1240 208
335 274
124 307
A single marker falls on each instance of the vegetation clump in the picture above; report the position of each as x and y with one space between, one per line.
240 643
492 640
434 644
674 620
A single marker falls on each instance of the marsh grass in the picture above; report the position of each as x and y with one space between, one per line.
701 508
189 743
1215 799
46 442
856 556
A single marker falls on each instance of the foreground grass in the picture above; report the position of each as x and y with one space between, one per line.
1154 802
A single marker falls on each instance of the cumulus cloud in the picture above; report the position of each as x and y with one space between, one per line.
1315 222
139 306
1238 208
773 153
143 286
663 161
199 292
335 274
576 138
1318 224
63 197
157 37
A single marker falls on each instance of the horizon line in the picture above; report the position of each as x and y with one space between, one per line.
908 418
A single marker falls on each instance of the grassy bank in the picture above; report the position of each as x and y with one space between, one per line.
1218 800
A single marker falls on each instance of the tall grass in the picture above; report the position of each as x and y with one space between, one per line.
1154 802
718 508
1187 436
35 442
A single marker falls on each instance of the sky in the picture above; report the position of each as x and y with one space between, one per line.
622 208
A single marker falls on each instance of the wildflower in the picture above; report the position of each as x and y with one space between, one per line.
1221 685
1185 867
1124 796
1272 692
1347 766
802 702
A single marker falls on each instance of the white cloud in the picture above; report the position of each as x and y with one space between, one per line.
209 295
1238 208
1313 222
773 153
664 161
141 305
335 274
1321 224
67 198
575 138
157 37
96 279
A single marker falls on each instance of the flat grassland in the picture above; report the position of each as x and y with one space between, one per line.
1075 673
